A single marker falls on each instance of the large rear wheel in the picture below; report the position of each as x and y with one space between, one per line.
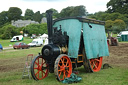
96 64
63 67
39 68
92 65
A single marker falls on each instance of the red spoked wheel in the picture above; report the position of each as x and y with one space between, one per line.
63 67
39 68
95 64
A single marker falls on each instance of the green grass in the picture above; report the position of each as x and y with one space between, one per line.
113 35
12 65
11 53
116 76
6 43
14 60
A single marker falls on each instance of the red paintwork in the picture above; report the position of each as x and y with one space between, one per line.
96 64
38 65
20 45
108 42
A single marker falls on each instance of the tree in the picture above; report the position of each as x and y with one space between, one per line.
14 13
36 29
113 16
118 25
8 31
108 25
73 11
99 16
109 16
3 18
66 11
120 6
55 13
37 16
115 26
79 11
28 14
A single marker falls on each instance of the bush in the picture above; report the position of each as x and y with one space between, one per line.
35 29
8 31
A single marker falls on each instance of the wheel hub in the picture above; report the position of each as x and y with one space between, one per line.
39 68
66 68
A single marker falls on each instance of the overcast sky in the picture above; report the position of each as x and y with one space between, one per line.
92 6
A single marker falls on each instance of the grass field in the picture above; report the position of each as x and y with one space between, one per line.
6 43
12 64
114 76
113 35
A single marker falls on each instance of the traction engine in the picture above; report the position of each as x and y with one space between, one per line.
72 42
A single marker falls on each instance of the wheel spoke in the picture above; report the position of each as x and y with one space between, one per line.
63 75
37 72
67 66
97 60
67 71
59 65
95 66
67 63
35 68
43 72
62 61
36 63
60 73
60 70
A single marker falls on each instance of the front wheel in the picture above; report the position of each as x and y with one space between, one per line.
39 68
63 67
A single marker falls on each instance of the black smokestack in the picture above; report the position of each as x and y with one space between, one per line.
49 25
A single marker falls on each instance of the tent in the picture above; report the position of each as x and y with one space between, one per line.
44 36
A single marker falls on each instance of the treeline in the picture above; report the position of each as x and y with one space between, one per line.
14 13
8 31
116 17
115 22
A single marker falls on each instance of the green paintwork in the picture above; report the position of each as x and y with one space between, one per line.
95 41
94 38
124 37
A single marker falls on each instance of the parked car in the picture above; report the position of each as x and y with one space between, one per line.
36 42
20 45
17 38
1 48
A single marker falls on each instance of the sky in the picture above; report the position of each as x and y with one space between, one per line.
92 6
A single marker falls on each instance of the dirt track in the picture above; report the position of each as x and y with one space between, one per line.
7 65
118 57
